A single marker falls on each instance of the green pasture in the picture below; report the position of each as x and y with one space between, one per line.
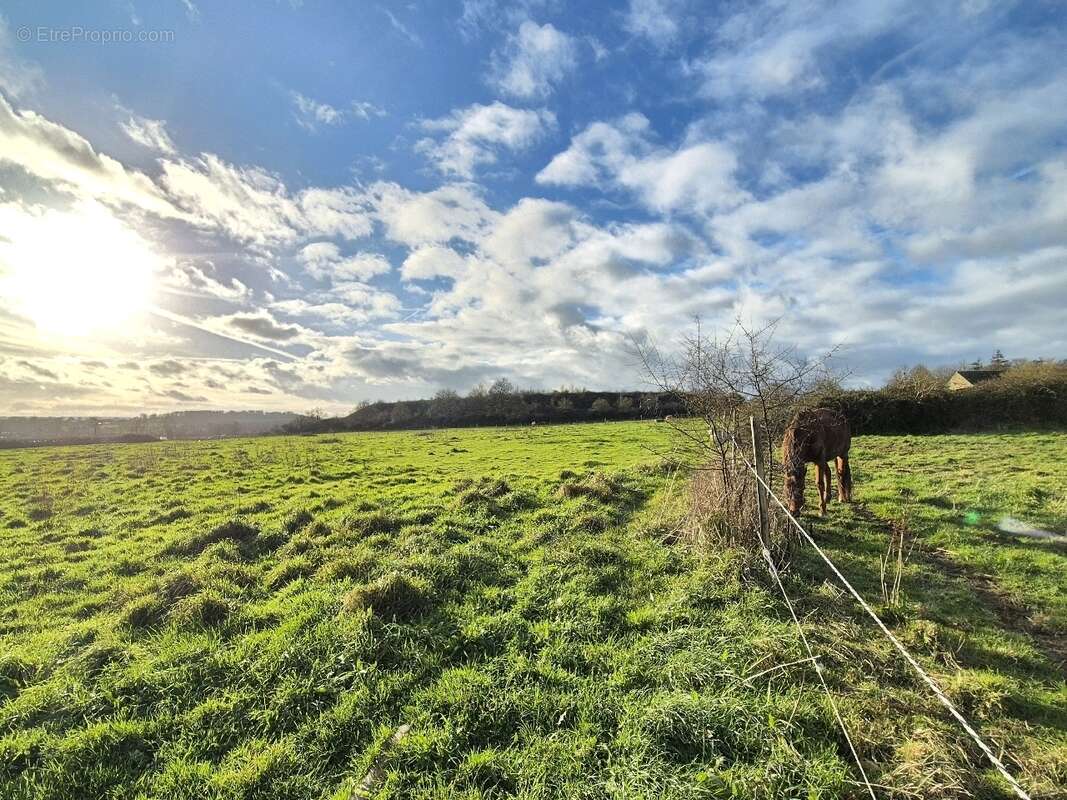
510 612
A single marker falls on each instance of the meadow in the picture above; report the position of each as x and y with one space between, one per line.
511 612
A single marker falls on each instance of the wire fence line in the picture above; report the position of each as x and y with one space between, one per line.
815 662
930 682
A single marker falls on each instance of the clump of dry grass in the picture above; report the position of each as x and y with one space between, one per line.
723 514
929 764
393 596
598 485
476 492
205 609
235 530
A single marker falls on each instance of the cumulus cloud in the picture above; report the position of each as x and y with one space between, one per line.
532 61
324 260
432 261
474 135
417 218
621 154
345 304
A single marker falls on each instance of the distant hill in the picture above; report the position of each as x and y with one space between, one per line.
30 431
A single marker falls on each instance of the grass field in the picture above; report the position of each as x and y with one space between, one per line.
258 618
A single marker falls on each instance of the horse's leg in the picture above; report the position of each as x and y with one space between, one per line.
824 486
841 462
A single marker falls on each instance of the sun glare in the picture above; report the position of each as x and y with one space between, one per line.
78 272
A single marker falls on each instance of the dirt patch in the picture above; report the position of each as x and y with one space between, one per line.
1012 615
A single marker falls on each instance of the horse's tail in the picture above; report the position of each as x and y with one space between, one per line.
844 478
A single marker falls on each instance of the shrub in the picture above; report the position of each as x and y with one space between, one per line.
1009 402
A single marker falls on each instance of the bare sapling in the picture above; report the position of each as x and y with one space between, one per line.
722 379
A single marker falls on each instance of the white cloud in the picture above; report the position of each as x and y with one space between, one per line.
311 115
532 61
150 133
324 260
432 261
18 77
350 303
652 19
341 211
249 203
772 49
65 159
200 280
192 11
255 206
694 178
475 134
401 28
365 110
438 216
532 231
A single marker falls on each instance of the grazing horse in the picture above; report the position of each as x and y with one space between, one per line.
816 436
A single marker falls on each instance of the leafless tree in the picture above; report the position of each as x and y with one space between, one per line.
722 378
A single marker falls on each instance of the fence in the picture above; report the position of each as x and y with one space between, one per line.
762 493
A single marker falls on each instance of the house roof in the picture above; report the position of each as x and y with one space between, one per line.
978 375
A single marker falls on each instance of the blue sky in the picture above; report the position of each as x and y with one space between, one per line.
287 205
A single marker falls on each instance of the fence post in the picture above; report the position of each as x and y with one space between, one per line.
761 494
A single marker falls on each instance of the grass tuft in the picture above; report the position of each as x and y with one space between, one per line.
234 530
393 596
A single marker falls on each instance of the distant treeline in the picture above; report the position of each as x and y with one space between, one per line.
33 431
915 401
1000 404
1023 399
498 405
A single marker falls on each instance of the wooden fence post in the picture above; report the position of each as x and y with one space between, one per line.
761 494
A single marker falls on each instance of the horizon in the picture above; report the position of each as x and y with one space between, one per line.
275 207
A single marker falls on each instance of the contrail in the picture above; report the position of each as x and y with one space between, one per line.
192 323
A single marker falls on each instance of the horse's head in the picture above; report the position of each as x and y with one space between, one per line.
794 489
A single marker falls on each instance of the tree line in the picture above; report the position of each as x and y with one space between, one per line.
499 403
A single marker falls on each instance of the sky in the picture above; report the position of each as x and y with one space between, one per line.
296 205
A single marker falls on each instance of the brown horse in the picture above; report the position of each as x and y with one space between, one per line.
816 436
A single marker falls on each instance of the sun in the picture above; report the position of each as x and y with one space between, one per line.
77 272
